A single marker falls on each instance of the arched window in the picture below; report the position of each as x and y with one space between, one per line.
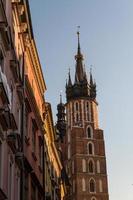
98 166
69 151
91 166
90 148
84 165
89 132
88 114
93 198
76 110
92 186
100 186
83 185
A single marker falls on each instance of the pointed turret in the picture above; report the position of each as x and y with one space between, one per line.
92 86
69 79
61 123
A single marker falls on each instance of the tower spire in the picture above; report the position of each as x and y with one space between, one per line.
79 74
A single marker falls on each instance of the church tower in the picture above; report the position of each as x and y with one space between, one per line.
83 146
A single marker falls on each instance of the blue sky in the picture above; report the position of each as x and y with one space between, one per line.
107 44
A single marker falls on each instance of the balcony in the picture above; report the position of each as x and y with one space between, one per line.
7 119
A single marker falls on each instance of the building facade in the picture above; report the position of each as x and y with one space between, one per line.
24 130
83 144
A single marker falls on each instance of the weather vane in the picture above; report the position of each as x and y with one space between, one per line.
78 28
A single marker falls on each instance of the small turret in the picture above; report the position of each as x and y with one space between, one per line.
61 123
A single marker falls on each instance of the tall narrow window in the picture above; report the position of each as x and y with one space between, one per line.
98 166
90 148
77 114
88 114
91 166
92 185
84 165
100 186
83 185
69 151
89 132
93 198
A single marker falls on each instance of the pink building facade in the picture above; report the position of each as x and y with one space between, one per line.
22 106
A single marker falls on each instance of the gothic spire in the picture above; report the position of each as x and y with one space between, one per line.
79 74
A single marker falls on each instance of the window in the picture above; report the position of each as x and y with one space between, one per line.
72 166
73 186
76 110
98 166
69 151
89 132
93 198
100 186
83 185
90 148
84 165
91 166
92 185
88 114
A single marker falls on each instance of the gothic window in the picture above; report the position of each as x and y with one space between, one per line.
92 186
89 132
87 111
98 166
73 186
93 198
69 151
84 165
91 166
72 166
90 148
83 185
100 186
76 110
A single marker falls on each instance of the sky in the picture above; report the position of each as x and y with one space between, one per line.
106 37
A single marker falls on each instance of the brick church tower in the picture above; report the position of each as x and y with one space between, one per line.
83 147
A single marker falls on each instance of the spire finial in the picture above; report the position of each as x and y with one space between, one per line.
78 33
61 96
